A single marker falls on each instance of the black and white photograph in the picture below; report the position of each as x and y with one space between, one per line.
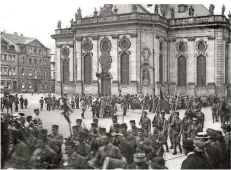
115 84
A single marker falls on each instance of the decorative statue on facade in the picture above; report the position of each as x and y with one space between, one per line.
95 12
223 10
106 10
78 14
229 15
172 12
191 11
156 9
72 21
59 25
146 77
134 8
115 10
211 9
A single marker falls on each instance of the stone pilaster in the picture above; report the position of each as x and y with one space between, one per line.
58 68
156 57
71 63
191 72
115 70
78 58
94 58
210 60
172 62
133 73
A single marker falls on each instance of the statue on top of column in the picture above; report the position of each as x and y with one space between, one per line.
211 9
191 11
223 10
59 25
134 7
78 14
156 9
172 12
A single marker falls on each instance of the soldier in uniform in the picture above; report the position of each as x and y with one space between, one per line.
77 101
156 118
107 150
115 135
144 145
127 144
176 125
41 101
215 108
55 141
194 129
163 127
139 162
21 101
145 123
16 102
186 123
79 124
227 138
124 105
114 121
94 135
134 130
170 134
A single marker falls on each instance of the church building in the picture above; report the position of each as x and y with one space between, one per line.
135 48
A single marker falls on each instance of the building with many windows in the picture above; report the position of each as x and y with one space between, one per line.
25 64
134 48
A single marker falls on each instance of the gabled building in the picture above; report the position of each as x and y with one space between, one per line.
134 48
25 64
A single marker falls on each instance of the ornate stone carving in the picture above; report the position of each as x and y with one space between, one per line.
78 14
87 45
172 39
59 25
95 37
157 36
191 11
163 8
191 38
58 46
124 43
211 37
201 45
211 9
65 52
105 61
146 53
134 8
105 45
71 45
181 48
146 76
79 38
95 13
172 12
115 36
229 15
115 10
105 11
156 11
133 35
127 52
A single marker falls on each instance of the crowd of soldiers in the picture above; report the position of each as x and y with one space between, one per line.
26 144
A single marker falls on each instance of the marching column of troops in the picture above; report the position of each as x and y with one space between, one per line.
26 144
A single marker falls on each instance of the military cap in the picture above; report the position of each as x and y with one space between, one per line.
177 112
199 146
41 97
188 143
132 121
35 110
202 135
226 127
21 114
95 120
29 117
213 135
139 157
114 117
79 120
93 124
162 111
209 131
102 130
55 126
145 112
158 160
68 142
123 125
140 130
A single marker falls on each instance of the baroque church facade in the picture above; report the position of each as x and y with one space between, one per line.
133 48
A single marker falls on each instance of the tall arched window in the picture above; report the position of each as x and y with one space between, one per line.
161 69
124 68
201 70
65 71
181 71
87 70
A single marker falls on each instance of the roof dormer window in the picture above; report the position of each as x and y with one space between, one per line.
182 8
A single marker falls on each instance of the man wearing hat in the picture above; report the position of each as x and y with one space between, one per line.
139 162
145 123
36 115
193 160
114 121
127 143
144 144
94 135
124 105
134 130
41 101
194 129
79 124
186 123
176 132
16 102
115 135
107 150
21 102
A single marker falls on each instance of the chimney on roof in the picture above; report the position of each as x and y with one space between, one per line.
149 5
15 33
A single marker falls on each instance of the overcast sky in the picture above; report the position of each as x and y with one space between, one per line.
38 18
